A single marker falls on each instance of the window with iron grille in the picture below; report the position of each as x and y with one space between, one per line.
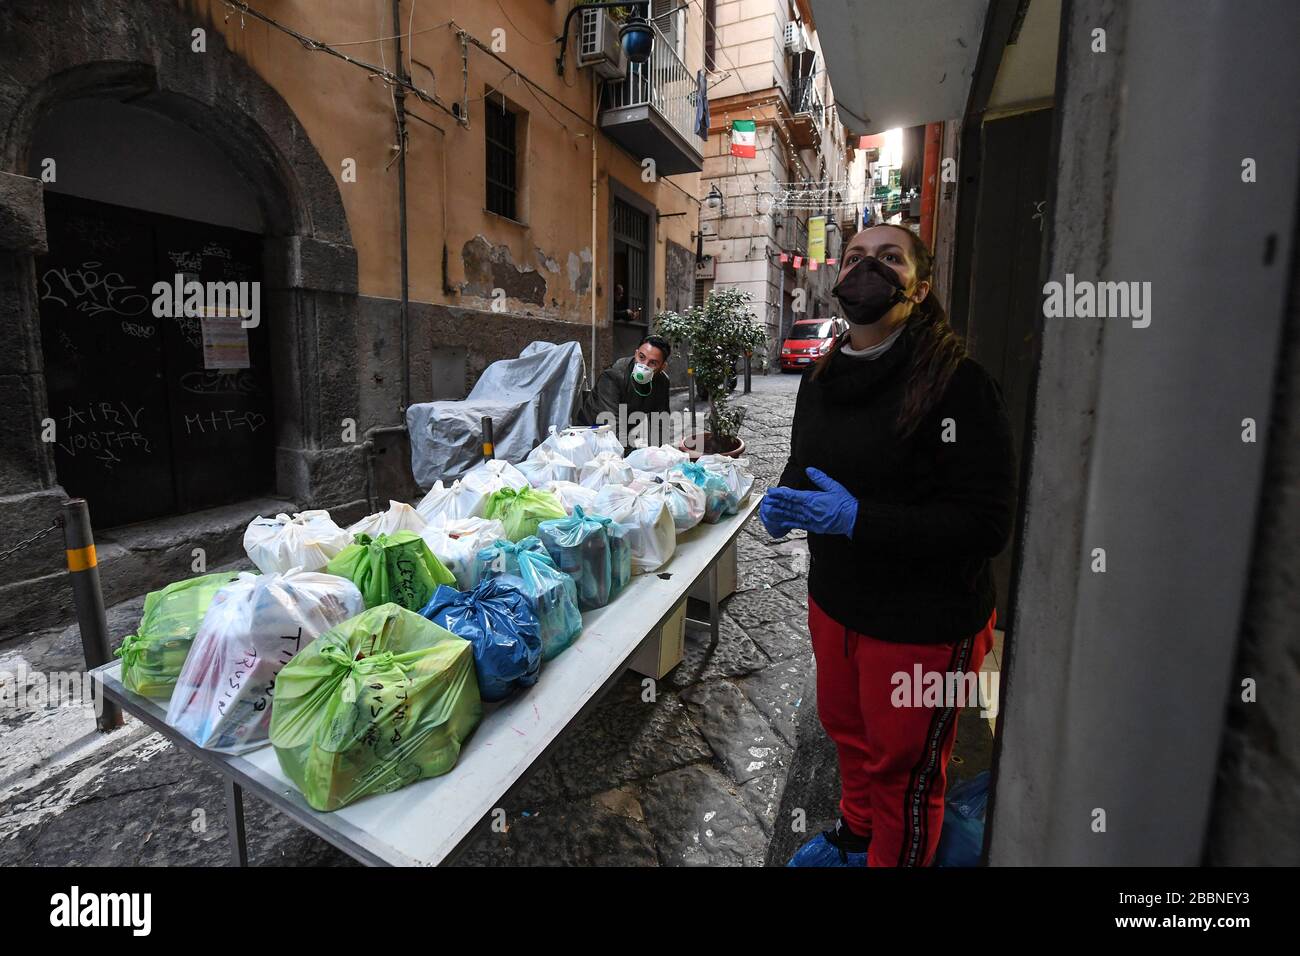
501 132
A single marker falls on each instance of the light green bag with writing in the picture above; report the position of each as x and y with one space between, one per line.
397 567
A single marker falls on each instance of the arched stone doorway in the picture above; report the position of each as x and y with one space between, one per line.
140 55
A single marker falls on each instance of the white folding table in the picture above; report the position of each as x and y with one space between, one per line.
428 822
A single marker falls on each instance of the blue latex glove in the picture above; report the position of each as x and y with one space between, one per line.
829 511
767 514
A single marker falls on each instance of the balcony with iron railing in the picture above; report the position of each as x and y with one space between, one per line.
651 111
806 108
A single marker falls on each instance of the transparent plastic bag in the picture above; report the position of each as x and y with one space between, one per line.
570 494
607 468
498 620
718 498
376 703
153 656
492 475
579 546
456 542
684 499
520 511
657 458
650 531
399 517
581 443
739 480
545 464
553 594
392 567
254 626
307 540
448 503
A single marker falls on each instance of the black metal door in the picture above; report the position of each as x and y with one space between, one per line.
143 426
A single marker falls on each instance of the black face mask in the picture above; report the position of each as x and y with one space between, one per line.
868 291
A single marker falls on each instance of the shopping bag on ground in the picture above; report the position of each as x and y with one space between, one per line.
651 534
153 656
399 517
607 468
392 567
962 838
520 511
579 547
739 480
378 702
254 626
552 593
444 503
545 464
717 494
498 620
456 542
307 540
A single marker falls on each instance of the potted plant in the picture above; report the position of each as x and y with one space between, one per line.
717 334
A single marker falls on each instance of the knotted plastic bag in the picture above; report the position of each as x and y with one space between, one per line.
499 622
493 474
657 458
520 511
253 628
570 493
620 554
717 494
739 480
456 542
375 703
650 531
580 444
392 567
153 656
545 464
307 540
684 499
579 546
607 468
444 503
399 517
553 594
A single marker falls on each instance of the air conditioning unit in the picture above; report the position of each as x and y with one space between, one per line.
598 45
796 37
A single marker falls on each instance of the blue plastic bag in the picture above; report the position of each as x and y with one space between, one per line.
551 593
498 620
962 837
719 500
620 554
579 546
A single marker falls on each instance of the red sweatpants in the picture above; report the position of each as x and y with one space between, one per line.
893 759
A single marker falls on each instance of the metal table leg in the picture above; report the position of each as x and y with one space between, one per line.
235 823
713 601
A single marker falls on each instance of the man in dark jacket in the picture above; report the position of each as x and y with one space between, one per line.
636 382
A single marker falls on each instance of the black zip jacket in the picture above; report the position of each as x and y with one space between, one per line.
930 513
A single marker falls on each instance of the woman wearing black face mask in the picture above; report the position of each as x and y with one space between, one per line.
901 471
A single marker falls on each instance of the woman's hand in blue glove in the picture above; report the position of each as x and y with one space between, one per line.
767 514
832 510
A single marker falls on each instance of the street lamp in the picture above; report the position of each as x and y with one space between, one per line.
635 36
715 200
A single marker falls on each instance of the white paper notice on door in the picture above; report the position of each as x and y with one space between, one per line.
225 342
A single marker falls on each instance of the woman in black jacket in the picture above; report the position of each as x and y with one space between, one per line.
901 471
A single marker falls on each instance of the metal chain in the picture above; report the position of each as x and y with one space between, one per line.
58 523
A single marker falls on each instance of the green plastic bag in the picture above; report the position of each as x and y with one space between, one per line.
396 567
153 656
521 510
378 702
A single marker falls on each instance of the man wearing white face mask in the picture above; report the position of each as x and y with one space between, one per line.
636 382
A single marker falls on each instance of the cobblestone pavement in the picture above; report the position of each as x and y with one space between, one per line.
694 778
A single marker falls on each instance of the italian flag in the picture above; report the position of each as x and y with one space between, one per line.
742 138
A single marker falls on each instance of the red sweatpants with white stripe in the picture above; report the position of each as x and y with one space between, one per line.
893 760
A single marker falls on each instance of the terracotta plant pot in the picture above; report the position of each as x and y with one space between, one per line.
695 444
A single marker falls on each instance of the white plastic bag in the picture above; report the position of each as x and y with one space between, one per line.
308 540
580 443
455 543
607 468
399 517
571 493
657 458
253 626
444 503
492 475
739 480
545 464
651 534
684 499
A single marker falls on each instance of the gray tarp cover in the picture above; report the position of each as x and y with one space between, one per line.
524 397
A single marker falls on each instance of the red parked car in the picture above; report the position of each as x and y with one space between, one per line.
808 339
